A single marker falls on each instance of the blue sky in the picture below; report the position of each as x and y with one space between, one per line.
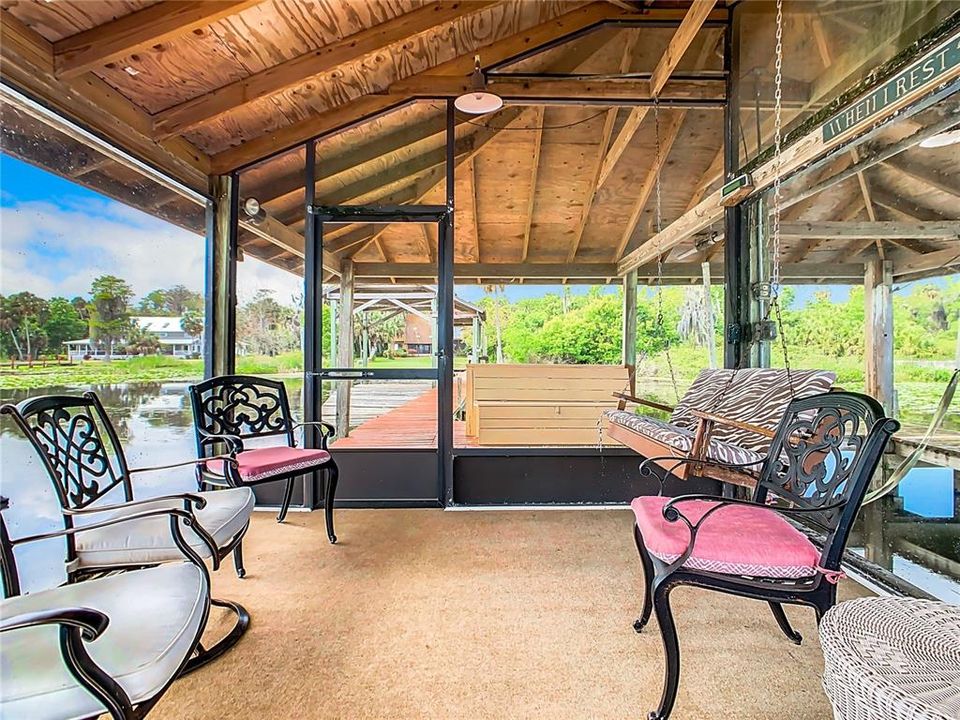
57 236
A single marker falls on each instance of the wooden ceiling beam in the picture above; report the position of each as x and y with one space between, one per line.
635 118
356 111
605 134
867 230
929 178
535 169
669 137
329 166
626 92
867 200
681 40
341 117
27 62
155 24
325 60
944 261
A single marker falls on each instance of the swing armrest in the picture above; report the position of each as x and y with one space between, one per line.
739 424
641 401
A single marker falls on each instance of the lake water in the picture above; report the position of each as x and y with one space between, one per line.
920 542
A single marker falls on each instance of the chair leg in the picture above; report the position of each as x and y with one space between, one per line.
204 655
671 648
641 621
238 560
287 495
792 635
333 476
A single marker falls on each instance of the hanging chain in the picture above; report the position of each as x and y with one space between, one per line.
777 132
777 206
659 228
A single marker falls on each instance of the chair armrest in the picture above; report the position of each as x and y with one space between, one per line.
233 441
641 401
184 463
91 623
327 430
729 422
79 624
645 466
188 498
174 514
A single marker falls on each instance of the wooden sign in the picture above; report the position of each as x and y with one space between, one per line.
939 65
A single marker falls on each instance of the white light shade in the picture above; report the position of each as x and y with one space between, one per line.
950 137
478 102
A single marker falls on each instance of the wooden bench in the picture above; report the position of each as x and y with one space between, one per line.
539 404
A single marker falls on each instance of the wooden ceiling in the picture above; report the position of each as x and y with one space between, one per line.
197 88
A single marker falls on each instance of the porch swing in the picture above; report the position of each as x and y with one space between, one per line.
727 416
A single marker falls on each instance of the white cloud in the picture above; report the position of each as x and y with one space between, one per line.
58 249
54 249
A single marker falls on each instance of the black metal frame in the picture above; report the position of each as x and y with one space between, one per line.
315 374
79 625
232 408
81 453
848 428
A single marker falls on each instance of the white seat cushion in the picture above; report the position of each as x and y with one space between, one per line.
155 615
141 542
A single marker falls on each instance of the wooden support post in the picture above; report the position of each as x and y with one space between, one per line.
708 308
630 327
333 334
221 278
345 346
475 350
878 295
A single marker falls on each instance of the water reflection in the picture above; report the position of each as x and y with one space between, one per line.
915 534
155 425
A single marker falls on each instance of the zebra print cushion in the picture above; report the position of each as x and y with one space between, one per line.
682 438
758 396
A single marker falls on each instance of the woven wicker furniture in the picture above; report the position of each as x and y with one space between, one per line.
892 659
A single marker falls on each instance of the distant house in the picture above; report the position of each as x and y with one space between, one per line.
173 340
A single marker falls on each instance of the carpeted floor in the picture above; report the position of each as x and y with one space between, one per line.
431 614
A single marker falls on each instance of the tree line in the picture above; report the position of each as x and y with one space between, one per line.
32 326
587 328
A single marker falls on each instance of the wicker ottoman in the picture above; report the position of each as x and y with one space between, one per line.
892 658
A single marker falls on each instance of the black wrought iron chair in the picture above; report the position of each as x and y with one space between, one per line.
110 645
232 408
820 463
80 450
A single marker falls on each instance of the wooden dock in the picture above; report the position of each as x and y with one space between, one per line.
411 423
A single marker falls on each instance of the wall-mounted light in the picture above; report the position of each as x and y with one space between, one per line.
950 137
251 208
478 101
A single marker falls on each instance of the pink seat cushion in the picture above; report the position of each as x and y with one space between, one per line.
734 540
262 463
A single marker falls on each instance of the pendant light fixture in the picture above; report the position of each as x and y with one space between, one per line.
477 101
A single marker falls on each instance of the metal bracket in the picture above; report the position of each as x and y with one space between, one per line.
765 331
762 290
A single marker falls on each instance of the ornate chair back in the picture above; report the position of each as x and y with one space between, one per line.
77 445
239 406
823 457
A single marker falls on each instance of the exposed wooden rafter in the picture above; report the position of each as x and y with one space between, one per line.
625 91
27 62
668 137
325 60
535 169
605 134
364 107
155 24
681 40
